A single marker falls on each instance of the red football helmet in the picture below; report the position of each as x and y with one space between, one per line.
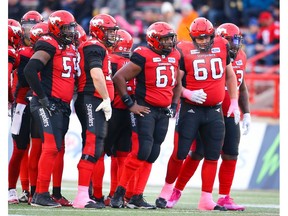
62 25
37 31
124 42
80 35
32 17
202 28
104 27
28 20
15 33
231 33
161 37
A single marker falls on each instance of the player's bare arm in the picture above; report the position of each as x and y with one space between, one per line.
231 82
243 100
41 55
99 82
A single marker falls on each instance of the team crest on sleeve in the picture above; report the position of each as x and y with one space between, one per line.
171 60
239 62
215 50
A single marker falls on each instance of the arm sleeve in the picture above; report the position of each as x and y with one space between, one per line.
21 78
138 59
45 46
94 56
31 75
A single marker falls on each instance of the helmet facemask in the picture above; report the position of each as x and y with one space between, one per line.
110 34
26 32
168 43
235 43
67 33
205 47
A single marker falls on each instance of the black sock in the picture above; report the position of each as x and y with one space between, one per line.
32 189
57 192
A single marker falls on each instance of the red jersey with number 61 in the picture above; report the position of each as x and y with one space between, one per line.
205 71
156 81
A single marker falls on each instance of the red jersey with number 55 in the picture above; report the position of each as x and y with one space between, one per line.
205 71
239 65
94 54
58 76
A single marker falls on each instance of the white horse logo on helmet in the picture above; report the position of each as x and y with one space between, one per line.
15 29
151 32
37 31
96 22
221 31
54 19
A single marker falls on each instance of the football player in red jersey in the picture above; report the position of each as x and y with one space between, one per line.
36 32
15 35
18 163
158 85
207 67
232 135
54 59
118 139
22 88
93 103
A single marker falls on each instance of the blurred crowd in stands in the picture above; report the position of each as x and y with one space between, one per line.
258 20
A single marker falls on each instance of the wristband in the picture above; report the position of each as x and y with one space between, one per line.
127 100
173 106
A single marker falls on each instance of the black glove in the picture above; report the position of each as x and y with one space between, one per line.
51 107
171 112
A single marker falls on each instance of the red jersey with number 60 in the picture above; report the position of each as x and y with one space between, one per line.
156 81
93 54
58 76
118 62
239 65
205 70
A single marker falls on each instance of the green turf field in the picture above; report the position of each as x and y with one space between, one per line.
257 202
